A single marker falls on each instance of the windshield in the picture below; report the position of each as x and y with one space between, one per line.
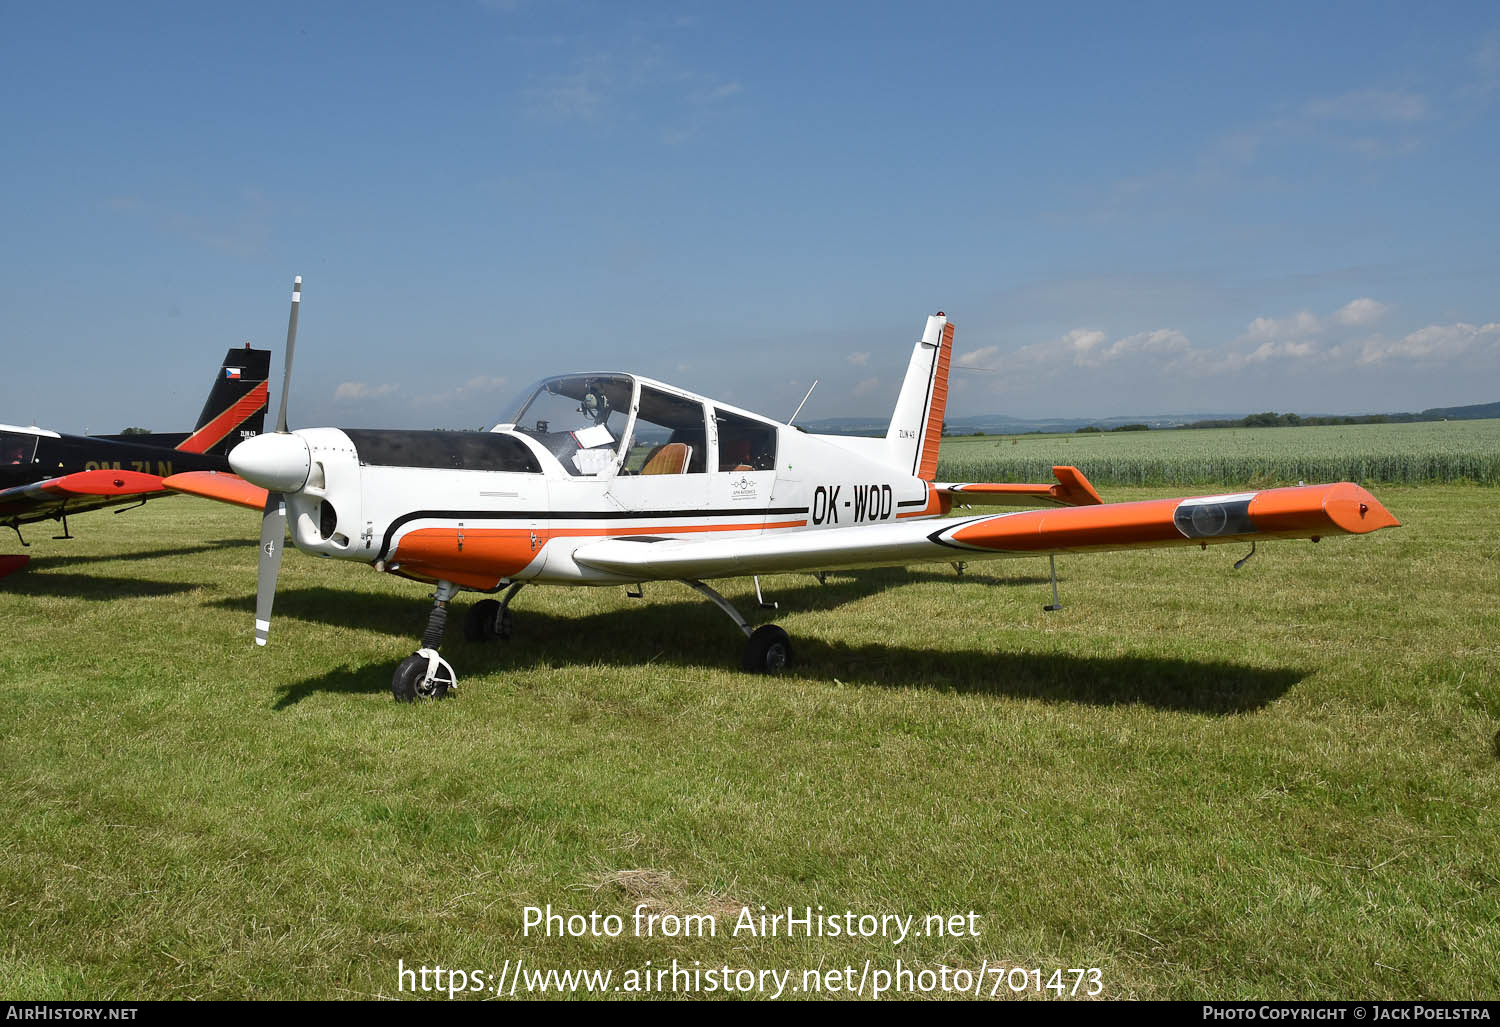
579 419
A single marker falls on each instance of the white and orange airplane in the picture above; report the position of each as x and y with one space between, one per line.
610 478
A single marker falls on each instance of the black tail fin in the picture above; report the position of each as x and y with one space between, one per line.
236 407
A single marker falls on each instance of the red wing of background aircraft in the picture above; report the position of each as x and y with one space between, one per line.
45 475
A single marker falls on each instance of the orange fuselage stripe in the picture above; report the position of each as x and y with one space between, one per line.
486 555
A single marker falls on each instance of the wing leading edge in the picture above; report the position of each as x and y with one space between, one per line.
1303 512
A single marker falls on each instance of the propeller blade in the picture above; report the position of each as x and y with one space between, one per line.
291 344
272 538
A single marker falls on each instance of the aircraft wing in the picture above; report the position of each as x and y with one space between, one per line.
1303 512
218 485
1071 489
91 490
75 493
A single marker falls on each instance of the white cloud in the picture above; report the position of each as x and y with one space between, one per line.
1433 343
1292 351
350 391
1362 311
1271 350
1161 342
979 358
1083 340
1297 326
867 386
1369 105
722 91
858 359
578 96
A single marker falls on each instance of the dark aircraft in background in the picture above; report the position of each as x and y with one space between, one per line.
48 476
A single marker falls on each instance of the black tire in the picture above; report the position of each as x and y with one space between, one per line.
479 625
406 682
768 651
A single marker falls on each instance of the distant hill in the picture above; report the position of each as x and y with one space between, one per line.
1004 424
1474 412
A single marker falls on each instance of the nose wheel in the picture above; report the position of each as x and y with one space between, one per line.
423 675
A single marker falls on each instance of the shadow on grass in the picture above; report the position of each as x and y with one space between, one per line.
43 563
91 586
346 680
408 615
692 635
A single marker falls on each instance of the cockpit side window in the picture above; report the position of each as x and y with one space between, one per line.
745 444
16 448
670 435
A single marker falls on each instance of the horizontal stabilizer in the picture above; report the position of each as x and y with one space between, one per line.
1072 489
220 486
12 564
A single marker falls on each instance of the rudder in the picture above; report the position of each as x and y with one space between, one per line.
916 428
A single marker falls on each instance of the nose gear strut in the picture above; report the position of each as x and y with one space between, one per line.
424 674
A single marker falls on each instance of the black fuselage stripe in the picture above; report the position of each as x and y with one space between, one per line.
950 526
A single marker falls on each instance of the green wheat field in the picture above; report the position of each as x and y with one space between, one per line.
1427 452
1279 782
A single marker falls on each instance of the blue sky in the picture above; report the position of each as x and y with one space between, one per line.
1127 209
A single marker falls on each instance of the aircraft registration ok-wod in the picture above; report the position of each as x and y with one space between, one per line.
611 478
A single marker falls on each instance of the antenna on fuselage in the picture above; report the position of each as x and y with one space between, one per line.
789 420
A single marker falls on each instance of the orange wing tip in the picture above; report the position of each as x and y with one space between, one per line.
1347 507
216 485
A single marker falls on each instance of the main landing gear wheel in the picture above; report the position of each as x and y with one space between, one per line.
487 621
422 675
769 650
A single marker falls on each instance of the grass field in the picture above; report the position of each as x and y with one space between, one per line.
1428 452
1280 782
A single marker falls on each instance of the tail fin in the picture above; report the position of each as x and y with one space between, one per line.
917 423
236 407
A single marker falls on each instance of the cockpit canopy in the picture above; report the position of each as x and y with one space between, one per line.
603 424
17 447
